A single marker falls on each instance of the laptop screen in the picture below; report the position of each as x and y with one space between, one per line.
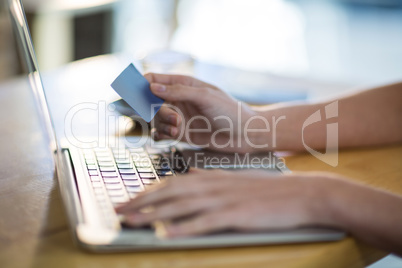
15 25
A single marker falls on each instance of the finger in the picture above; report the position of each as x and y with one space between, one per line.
157 136
179 92
168 79
154 195
203 223
184 207
190 184
168 115
173 210
166 129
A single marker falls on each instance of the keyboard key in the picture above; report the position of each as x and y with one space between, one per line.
119 150
106 164
93 172
90 161
143 163
118 199
123 161
111 180
115 192
136 150
132 183
89 157
107 168
134 189
105 159
144 170
103 204
103 154
121 156
149 181
95 178
129 177
101 197
99 191
127 171
147 175
92 167
125 166
164 172
97 184
101 149
109 174
113 186
138 156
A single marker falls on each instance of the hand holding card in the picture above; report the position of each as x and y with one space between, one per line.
132 86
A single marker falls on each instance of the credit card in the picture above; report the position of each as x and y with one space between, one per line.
132 86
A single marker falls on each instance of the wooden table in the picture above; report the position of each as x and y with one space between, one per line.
33 225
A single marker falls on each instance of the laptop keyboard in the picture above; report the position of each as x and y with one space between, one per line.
119 174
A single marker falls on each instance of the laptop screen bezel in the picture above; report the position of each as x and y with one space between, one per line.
28 59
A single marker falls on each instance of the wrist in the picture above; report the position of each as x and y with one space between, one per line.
256 131
325 195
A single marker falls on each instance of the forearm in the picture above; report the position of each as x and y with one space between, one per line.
371 215
286 127
371 117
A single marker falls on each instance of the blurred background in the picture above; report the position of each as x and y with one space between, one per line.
261 51
347 42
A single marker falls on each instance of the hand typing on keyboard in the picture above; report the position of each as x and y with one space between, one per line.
202 202
208 201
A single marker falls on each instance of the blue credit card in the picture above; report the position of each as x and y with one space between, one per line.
132 86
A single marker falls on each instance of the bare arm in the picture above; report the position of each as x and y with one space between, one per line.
369 214
367 118
217 200
214 202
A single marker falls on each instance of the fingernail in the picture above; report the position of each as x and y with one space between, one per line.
121 217
156 135
159 87
173 131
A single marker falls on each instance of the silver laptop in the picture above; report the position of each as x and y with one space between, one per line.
94 180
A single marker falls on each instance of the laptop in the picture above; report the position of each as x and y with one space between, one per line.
93 180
